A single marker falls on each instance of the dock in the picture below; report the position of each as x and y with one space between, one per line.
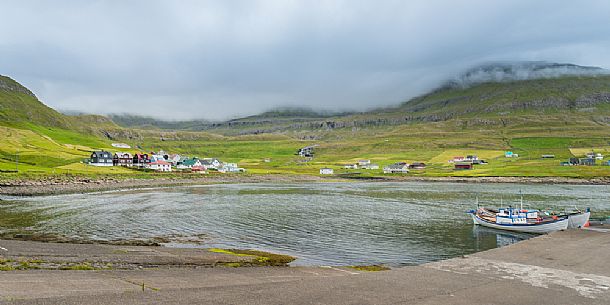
567 267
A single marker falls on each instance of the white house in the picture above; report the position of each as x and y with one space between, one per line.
364 162
351 166
370 166
212 163
326 171
230 168
189 164
156 157
160 166
396 168
175 159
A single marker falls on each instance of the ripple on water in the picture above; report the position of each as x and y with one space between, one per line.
322 224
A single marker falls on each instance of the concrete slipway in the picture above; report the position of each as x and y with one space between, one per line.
568 267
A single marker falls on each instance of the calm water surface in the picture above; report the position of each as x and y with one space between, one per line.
322 224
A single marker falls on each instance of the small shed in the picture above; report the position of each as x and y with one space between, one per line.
463 165
417 165
326 171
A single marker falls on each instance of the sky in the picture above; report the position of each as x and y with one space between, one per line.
216 60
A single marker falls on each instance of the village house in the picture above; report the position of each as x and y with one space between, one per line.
593 155
211 163
587 161
364 162
471 158
326 171
160 166
463 165
175 159
351 166
230 168
189 164
101 158
140 160
417 165
370 166
306 151
122 159
574 161
547 156
396 168
509 154
158 156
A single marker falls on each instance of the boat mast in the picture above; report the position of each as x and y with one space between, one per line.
521 199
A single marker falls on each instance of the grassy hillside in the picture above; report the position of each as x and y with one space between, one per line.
18 105
565 116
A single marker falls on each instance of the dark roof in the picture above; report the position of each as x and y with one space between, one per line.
100 154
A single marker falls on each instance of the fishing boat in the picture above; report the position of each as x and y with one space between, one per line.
578 219
519 219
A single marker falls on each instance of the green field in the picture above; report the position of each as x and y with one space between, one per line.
61 152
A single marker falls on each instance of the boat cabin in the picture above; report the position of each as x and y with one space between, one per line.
515 216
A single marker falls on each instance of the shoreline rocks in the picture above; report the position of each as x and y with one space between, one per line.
76 184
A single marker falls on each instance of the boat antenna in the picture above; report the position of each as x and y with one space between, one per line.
520 193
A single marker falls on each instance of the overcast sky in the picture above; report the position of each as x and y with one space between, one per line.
221 59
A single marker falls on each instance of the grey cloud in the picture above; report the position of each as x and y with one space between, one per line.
219 59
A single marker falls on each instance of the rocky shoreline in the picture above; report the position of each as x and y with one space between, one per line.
523 180
76 184
68 185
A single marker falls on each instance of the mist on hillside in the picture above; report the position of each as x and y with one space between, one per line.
516 71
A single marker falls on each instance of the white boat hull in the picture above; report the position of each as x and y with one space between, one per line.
576 221
557 225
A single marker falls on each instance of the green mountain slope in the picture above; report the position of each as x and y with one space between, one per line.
18 105
566 116
542 96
